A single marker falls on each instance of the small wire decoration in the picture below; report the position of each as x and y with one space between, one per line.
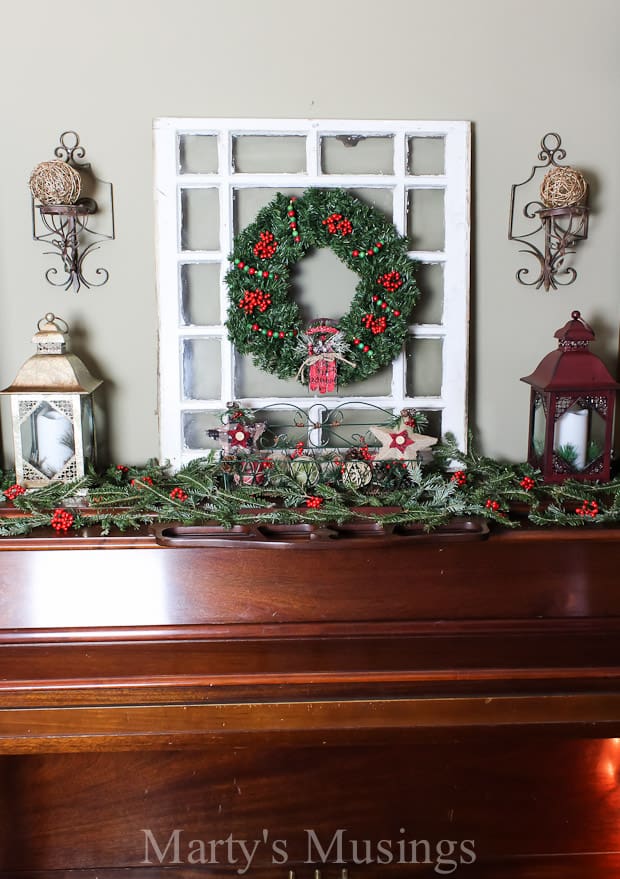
561 216
66 215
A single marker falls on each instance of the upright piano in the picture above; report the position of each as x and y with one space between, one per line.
295 703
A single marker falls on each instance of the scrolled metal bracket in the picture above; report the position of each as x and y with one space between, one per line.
74 231
561 227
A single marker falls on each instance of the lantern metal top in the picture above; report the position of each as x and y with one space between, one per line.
572 366
51 369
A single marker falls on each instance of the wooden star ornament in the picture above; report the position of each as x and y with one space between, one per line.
400 443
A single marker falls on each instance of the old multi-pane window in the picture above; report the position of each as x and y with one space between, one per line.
212 177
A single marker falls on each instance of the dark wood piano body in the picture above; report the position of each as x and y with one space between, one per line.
437 691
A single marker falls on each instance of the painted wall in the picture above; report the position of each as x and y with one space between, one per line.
516 69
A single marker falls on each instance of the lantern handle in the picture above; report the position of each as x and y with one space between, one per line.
51 318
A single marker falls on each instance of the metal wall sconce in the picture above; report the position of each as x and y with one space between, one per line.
561 216
73 211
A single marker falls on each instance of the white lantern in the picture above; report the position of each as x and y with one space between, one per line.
52 411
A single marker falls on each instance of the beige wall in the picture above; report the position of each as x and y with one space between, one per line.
516 69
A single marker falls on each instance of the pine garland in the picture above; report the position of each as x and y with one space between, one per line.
263 319
211 490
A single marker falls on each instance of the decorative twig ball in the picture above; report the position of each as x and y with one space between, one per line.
563 187
55 182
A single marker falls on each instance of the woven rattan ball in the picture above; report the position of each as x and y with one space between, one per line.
55 182
563 187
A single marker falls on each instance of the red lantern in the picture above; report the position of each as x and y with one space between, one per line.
571 409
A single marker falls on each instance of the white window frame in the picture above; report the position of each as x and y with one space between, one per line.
169 183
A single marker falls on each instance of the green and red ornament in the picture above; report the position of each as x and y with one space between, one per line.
240 433
264 320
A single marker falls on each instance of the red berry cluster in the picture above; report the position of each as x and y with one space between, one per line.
383 304
14 491
177 494
138 483
298 451
62 520
338 225
292 215
527 483
371 251
314 502
122 468
362 453
375 324
588 508
266 245
255 299
492 505
390 281
460 477
250 270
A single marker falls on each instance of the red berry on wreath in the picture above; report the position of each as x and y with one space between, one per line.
390 281
266 245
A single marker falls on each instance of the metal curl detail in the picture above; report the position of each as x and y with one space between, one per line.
549 154
67 152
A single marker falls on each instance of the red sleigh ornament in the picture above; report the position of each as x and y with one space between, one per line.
325 347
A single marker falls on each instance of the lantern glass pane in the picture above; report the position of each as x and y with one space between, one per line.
47 438
88 429
596 437
570 443
539 428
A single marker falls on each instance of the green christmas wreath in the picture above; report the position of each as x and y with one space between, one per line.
265 321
